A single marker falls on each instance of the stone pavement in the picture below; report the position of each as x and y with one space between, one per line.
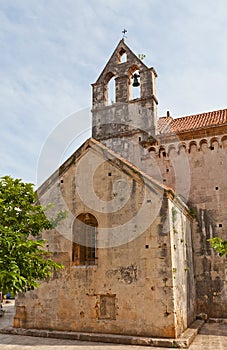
213 336
7 319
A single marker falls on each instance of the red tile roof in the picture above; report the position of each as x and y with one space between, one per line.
168 125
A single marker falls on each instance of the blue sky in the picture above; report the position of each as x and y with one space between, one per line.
51 51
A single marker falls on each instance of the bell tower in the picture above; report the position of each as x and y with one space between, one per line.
125 115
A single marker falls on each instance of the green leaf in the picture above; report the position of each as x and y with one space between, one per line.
24 262
219 245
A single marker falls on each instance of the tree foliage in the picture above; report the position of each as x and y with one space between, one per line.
24 261
219 245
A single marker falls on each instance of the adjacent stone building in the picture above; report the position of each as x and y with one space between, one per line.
143 197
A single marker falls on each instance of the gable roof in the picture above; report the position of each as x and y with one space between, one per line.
167 125
106 152
116 159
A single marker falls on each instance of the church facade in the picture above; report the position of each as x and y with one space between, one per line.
144 195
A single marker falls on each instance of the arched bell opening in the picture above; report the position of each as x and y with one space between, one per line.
110 89
135 86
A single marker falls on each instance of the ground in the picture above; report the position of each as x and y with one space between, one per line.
212 336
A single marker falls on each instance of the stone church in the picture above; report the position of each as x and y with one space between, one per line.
143 196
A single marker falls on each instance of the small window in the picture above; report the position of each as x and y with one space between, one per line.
84 240
122 56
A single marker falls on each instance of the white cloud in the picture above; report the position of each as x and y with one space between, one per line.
52 51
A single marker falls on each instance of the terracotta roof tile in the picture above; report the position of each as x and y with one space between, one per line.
169 125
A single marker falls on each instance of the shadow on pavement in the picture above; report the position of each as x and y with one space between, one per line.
214 328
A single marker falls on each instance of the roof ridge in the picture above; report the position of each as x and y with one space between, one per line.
130 164
193 121
193 115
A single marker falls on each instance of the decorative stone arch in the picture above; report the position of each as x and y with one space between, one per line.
202 143
213 141
162 152
132 69
109 76
180 146
170 148
152 149
84 239
224 142
191 145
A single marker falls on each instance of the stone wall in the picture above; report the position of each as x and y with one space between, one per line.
196 168
194 165
133 288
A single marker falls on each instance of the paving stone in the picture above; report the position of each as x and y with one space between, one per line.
17 342
213 336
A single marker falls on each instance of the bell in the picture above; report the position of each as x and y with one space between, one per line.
135 80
